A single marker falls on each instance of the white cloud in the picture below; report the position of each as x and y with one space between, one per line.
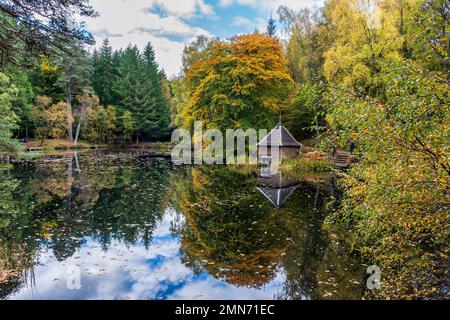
185 9
250 24
164 23
168 24
213 289
205 8
227 3
133 272
272 5
240 21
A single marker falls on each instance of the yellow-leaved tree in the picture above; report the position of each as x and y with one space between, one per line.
237 83
388 93
366 35
50 119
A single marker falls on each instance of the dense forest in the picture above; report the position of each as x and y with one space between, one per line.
107 96
55 85
371 74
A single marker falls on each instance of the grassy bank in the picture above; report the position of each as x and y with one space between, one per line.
64 144
60 144
310 165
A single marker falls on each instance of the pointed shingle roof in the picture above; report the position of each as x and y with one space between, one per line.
276 188
279 137
277 196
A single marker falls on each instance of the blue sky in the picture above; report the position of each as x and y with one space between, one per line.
170 24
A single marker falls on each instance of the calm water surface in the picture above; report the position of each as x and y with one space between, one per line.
122 226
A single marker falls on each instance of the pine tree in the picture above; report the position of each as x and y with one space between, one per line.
164 106
129 85
155 102
271 27
104 74
137 88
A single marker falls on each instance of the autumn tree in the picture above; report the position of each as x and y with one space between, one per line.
95 125
309 36
366 36
87 101
388 91
238 84
44 77
424 26
127 126
50 119
55 118
197 50
111 119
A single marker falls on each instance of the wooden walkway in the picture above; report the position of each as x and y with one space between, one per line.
342 159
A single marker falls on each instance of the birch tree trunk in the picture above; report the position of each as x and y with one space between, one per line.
69 112
80 121
69 186
87 101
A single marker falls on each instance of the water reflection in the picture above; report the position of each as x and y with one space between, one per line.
229 231
276 187
139 228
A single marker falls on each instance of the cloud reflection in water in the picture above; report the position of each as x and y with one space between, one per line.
133 272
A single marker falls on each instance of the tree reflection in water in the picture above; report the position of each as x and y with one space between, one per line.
244 236
228 231
226 226
51 205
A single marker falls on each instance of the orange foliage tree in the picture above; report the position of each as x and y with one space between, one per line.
237 84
